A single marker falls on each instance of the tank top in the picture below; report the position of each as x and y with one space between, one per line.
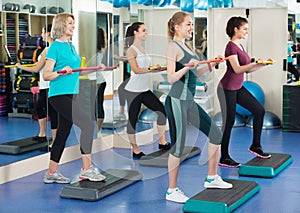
43 84
185 87
139 82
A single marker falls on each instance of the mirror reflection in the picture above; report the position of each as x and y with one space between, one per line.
26 119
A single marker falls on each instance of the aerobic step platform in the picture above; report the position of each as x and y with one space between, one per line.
116 179
222 200
160 157
266 167
114 124
22 145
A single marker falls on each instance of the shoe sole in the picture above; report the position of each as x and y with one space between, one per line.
90 179
229 166
258 155
55 181
217 187
175 201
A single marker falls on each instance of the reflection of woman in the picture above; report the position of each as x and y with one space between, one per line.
137 88
62 95
231 91
101 84
181 107
203 44
291 68
42 105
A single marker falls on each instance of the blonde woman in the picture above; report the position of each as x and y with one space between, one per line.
181 107
62 95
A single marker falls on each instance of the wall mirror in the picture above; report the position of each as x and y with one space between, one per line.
19 20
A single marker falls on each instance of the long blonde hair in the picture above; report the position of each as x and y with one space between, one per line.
176 19
59 25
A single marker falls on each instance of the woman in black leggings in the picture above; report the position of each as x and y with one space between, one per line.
231 91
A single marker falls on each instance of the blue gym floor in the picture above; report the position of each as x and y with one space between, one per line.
279 194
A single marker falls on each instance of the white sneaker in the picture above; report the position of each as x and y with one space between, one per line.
91 174
176 195
217 182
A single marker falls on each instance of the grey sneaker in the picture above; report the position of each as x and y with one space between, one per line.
91 174
56 178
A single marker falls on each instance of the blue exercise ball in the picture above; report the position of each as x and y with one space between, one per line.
271 121
256 91
148 116
238 121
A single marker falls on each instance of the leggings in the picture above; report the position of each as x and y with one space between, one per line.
69 112
179 112
100 100
228 100
135 100
292 69
122 92
43 107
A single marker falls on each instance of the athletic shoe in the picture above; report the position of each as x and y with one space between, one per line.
56 178
257 150
138 156
91 174
39 139
176 195
166 146
217 182
228 162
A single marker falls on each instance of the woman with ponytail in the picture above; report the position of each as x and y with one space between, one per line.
137 88
181 107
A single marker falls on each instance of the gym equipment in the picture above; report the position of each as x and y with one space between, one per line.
290 112
14 66
88 69
267 62
259 167
217 60
222 200
147 116
238 121
256 91
271 121
115 124
161 68
23 145
160 157
116 179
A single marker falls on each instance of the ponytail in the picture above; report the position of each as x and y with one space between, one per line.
130 33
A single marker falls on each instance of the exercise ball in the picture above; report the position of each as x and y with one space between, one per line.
271 121
148 116
238 121
256 91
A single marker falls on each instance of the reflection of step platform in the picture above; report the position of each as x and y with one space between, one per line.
116 179
266 167
114 124
23 145
222 200
160 158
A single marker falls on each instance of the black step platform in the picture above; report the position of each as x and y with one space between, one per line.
259 167
116 179
114 124
222 200
160 158
23 145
